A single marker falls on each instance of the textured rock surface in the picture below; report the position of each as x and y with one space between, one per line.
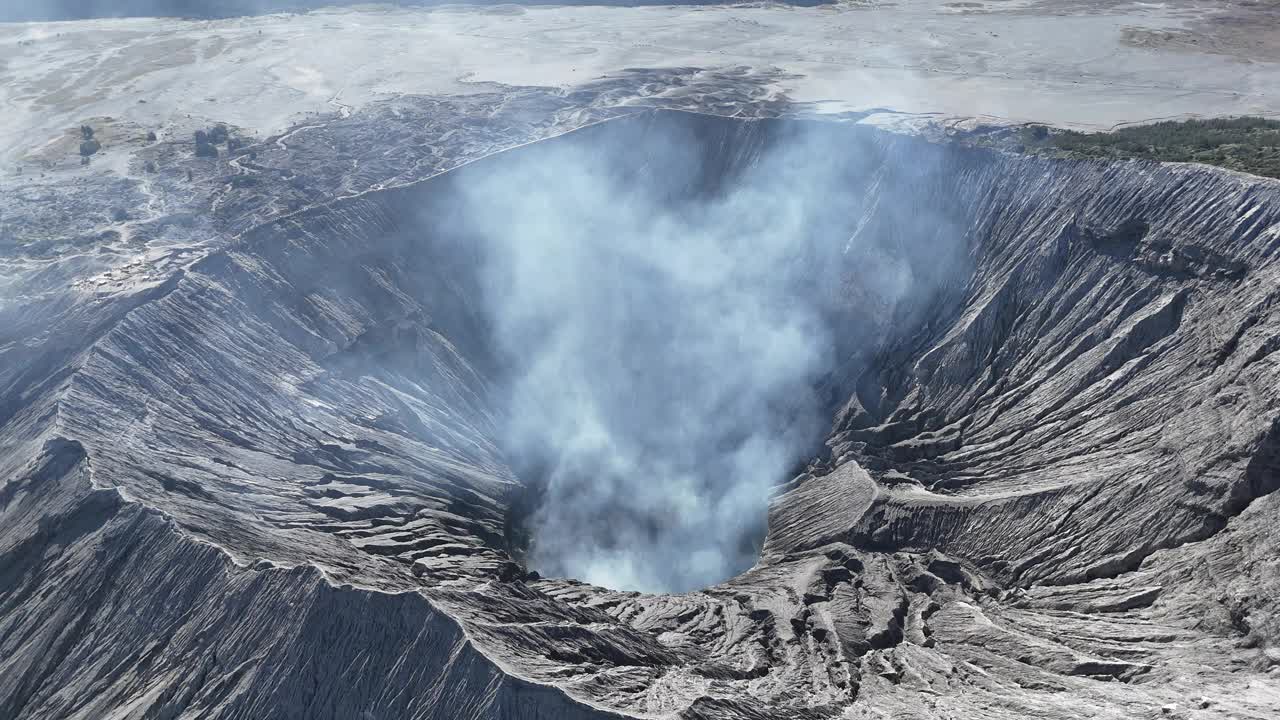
265 481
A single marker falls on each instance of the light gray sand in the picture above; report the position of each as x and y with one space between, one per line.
1083 65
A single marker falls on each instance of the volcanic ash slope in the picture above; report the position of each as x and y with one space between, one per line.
269 484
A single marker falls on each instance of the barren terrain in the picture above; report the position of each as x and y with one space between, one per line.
252 458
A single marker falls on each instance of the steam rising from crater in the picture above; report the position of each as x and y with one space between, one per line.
664 313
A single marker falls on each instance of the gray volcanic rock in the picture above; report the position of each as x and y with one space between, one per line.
269 481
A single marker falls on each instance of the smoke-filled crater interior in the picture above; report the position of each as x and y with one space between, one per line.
654 315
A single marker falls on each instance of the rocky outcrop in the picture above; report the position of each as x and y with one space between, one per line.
270 484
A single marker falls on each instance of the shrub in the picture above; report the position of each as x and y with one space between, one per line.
1249 144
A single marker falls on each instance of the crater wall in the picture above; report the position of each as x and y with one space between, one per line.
274 484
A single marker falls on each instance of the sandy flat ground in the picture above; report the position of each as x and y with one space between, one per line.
1083 64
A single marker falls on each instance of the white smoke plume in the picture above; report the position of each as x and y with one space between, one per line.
664 327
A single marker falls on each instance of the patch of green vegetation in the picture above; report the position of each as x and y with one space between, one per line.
1247 144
